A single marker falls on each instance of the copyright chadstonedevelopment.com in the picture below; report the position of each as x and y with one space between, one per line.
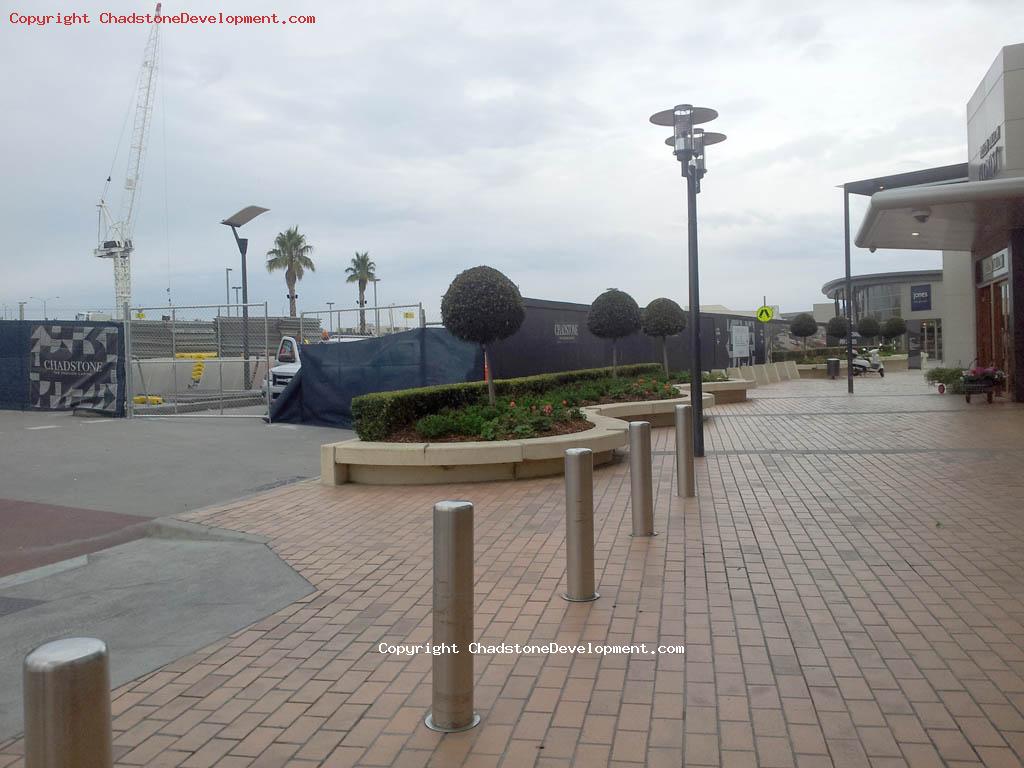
544 649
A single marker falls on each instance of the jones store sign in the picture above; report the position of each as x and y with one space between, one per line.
920 298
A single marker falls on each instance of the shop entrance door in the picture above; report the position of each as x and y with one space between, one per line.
931 339
993 323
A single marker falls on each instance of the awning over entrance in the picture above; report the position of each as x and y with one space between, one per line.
945 217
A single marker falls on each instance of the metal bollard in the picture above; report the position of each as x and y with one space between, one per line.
67 705
685 480
640 482
579 526
452 698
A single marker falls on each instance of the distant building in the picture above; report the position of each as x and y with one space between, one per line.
916 296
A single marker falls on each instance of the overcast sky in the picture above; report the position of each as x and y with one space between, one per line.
439 136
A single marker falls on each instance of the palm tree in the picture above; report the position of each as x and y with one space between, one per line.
290 253
361 271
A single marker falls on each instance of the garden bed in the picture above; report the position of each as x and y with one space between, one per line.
525 434
432 463
528 408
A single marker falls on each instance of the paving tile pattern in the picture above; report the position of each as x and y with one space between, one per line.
849 587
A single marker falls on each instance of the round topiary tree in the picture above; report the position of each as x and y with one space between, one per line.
868 328
663 318
614 315
837 327
893 328
802 326
482 306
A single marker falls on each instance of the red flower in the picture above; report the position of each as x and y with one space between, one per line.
547 409
511 403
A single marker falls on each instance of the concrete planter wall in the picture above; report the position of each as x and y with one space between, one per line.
380 463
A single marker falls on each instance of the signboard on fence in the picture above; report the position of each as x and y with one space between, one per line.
740 341
75 365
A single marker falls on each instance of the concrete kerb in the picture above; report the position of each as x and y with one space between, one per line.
381 463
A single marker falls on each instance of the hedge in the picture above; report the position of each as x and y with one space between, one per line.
781 356
379 414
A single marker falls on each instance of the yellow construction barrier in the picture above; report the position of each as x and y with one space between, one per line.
195 355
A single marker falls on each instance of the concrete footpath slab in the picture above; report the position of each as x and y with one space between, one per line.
153 601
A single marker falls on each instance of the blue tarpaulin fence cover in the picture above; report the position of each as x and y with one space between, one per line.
332 374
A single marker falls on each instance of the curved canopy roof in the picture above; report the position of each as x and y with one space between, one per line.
832 287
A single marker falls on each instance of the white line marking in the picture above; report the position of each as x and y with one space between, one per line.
48 426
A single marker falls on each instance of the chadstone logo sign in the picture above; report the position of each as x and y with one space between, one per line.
567 331
72 366
920 298
75 365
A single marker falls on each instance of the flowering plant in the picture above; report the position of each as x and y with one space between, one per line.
984 375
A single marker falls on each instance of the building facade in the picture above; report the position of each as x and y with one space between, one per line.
977 222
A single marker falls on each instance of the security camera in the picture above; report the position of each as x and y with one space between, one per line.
872 249
922 214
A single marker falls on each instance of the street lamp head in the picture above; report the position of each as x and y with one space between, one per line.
244 216
687 112
683 118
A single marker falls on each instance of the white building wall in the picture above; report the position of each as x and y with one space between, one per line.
959 347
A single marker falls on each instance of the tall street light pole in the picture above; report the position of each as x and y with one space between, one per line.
688 144
241 218
330 316
227 289
236 289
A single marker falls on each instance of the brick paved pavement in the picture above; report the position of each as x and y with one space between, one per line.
849 587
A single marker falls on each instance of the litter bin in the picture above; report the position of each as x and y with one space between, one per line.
832 367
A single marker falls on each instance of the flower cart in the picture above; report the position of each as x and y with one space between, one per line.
982 381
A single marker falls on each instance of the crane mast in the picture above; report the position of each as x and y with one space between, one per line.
115 235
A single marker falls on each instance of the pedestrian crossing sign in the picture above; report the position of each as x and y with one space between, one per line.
765 314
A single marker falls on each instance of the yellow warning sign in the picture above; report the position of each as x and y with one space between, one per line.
765 314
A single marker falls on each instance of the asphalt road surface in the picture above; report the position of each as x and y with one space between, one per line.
85 478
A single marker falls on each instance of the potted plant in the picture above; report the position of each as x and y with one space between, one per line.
982 380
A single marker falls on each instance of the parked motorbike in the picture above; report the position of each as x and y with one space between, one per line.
868 361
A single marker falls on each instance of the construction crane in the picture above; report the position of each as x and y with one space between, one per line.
114 236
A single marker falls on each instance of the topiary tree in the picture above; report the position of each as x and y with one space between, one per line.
802 326
869 328
614 315
482 306
837 327
663 318
893 328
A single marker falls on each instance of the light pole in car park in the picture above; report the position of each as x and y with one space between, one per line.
330 317
227 289
376 311
239 219
44 299
688 144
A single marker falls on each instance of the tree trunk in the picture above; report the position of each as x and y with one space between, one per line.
615 358
362 312
489 375
664 354
291 298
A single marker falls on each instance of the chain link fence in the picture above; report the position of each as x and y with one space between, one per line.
359 321
202 360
